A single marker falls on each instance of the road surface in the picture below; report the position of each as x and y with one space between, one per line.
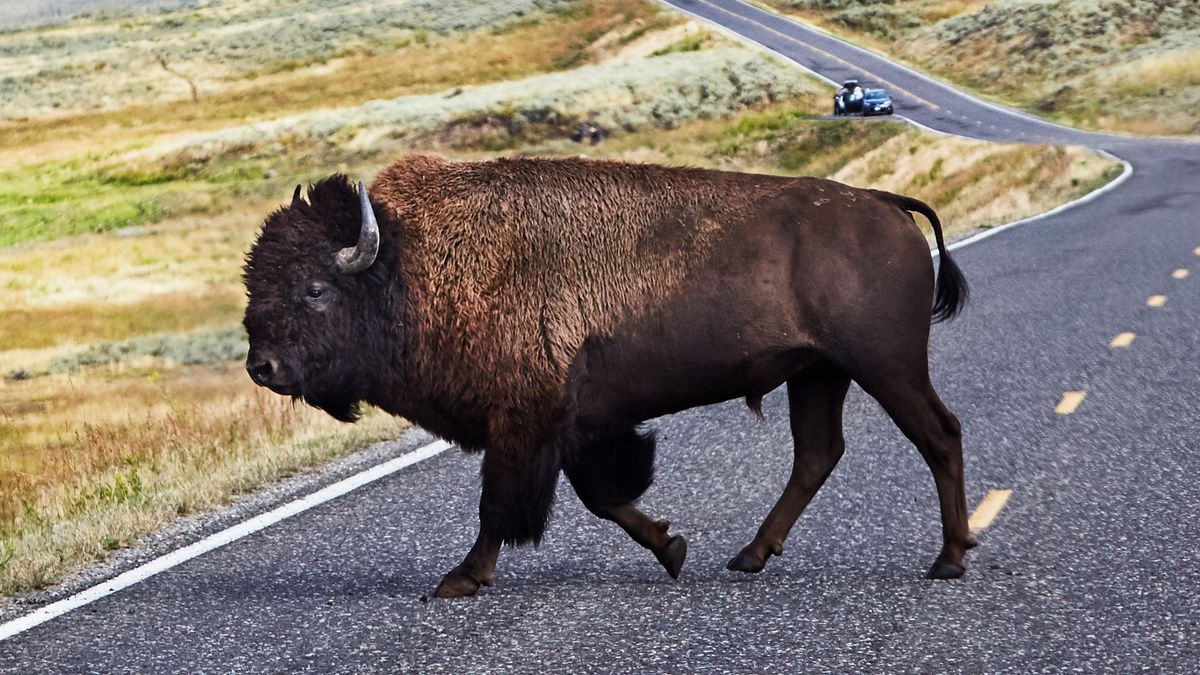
1093 563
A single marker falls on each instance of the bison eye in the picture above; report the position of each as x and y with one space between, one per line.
319 295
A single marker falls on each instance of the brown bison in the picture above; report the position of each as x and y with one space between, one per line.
538 310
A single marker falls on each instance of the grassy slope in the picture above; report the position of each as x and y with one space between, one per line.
1123 65
108 428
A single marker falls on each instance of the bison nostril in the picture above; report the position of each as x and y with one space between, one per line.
262 370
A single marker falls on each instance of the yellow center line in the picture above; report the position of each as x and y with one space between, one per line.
1180 273
1196 250
1156 301
988 509
840 60
1070 401
1122 340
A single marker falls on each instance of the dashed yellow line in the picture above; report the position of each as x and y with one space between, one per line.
1156 301
806 45
988 509
1196 250
1122 340
1179 274
1070 401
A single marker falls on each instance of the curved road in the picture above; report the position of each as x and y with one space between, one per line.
1092 564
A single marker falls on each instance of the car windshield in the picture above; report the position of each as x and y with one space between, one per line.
876 95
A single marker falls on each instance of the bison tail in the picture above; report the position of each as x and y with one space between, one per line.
951 292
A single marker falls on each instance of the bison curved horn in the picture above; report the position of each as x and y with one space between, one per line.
296 195
360 256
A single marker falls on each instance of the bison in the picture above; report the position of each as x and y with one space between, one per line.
539 310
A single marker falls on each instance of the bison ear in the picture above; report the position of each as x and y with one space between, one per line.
296 196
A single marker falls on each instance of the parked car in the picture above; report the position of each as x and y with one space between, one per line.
876 102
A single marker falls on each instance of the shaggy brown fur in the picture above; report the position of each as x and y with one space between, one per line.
515 262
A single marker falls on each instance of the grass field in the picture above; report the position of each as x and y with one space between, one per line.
1121 65
125 211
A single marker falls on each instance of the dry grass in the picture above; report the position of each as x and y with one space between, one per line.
152 448
973 184
431 64
932 12
35 328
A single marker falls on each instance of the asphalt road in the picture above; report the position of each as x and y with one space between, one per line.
1093 564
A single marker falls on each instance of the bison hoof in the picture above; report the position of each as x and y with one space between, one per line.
747 561
457 585
672 555
972 541
945 570
751 560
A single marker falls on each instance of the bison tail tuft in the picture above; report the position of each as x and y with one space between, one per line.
952 291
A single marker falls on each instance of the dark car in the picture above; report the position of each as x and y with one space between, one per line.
876 102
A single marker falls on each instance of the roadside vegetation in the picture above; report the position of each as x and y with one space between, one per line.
126 208
1118 65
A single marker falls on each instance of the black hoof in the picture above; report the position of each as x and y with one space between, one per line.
746 562
457 585
972 541
945 570
672 555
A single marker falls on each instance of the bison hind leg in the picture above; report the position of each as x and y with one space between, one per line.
610 470
815 398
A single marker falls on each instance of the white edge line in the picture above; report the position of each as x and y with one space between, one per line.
346 485
992 231
219 539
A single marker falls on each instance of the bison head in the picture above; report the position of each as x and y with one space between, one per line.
316 294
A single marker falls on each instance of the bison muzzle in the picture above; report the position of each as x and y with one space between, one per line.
539 310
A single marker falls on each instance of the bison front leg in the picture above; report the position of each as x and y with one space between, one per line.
609 472
476 570
518 490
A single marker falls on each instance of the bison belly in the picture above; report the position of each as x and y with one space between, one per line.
714 342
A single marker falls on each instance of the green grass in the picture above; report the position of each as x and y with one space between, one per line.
61 199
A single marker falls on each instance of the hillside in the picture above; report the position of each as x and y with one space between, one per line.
37 13
1122 65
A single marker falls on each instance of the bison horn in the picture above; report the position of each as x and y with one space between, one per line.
360 256
296 196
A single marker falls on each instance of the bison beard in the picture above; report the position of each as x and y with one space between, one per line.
540 310
332 389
